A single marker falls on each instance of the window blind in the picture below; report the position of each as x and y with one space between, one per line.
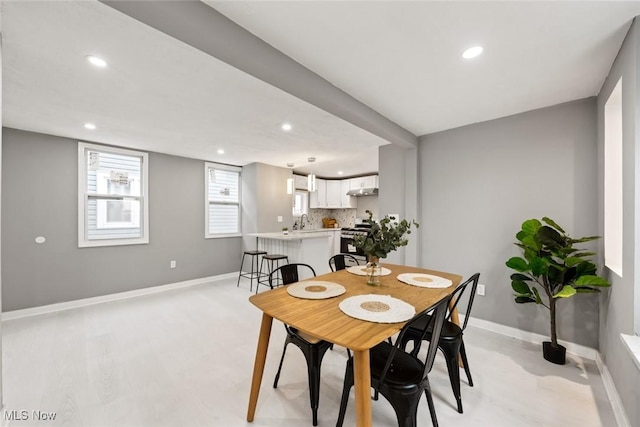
223 198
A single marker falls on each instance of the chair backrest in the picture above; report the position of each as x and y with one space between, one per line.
338 262
434 316
290 272
456 296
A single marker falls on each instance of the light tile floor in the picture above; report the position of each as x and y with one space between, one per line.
185 357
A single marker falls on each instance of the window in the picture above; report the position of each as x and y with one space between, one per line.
222 186
113 205
613 225
300 203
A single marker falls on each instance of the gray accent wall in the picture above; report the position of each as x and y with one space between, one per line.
40 197
475 185
398 194
617 306
264 198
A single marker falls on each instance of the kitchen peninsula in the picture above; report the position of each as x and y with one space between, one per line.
313 247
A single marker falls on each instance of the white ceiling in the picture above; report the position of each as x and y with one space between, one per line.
400 58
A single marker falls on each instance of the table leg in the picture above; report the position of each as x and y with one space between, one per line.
258 366
362 385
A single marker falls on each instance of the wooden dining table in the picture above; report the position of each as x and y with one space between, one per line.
323 319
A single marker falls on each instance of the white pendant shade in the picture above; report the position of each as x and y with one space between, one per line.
290 185
311 182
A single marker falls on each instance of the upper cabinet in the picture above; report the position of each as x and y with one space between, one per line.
345 200
301 182
363 182
331 194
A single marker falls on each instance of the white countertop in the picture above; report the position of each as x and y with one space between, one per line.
294 235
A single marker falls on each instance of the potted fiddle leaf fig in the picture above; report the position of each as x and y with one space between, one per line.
551 270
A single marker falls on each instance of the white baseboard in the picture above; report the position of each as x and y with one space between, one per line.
612 392
52 308
576 349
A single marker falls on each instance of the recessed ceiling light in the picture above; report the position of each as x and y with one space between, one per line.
220 151
472 52
340 172
286 127
98 62
90 126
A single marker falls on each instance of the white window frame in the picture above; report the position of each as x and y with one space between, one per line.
213 166
83 197
613 182
304 208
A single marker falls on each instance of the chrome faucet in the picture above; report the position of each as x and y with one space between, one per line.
302 221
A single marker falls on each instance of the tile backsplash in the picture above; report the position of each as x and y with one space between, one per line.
344 217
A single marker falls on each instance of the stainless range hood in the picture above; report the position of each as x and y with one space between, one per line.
363 192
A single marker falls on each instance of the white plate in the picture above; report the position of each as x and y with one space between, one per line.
361 270
377 308
315 289
424 280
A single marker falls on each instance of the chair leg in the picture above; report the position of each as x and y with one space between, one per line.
240 272
348 383
284 350
405 405
454 376
465 363
432 408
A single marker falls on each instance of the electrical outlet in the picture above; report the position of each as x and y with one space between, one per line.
279 218
480 290
172 264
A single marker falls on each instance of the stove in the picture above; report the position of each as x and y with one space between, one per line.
346 239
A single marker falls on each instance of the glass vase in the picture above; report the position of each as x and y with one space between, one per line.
374 271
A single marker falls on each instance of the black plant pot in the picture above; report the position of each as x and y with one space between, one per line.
554 354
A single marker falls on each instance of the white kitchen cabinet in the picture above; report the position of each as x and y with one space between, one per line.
334 188
300 182
318 198
370 181
346 201
334 242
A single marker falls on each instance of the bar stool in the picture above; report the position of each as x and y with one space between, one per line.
255 273
273 262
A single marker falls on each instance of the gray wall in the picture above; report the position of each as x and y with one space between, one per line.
264 198
40 198
617 305
398 194
478 183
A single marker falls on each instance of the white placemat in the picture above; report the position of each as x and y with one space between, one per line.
315 289
424 280
361 270
377 308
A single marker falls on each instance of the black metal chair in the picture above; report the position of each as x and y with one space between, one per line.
399 376
450 341
338 262
312 348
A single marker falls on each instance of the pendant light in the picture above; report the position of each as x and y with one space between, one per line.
290 181
311 178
